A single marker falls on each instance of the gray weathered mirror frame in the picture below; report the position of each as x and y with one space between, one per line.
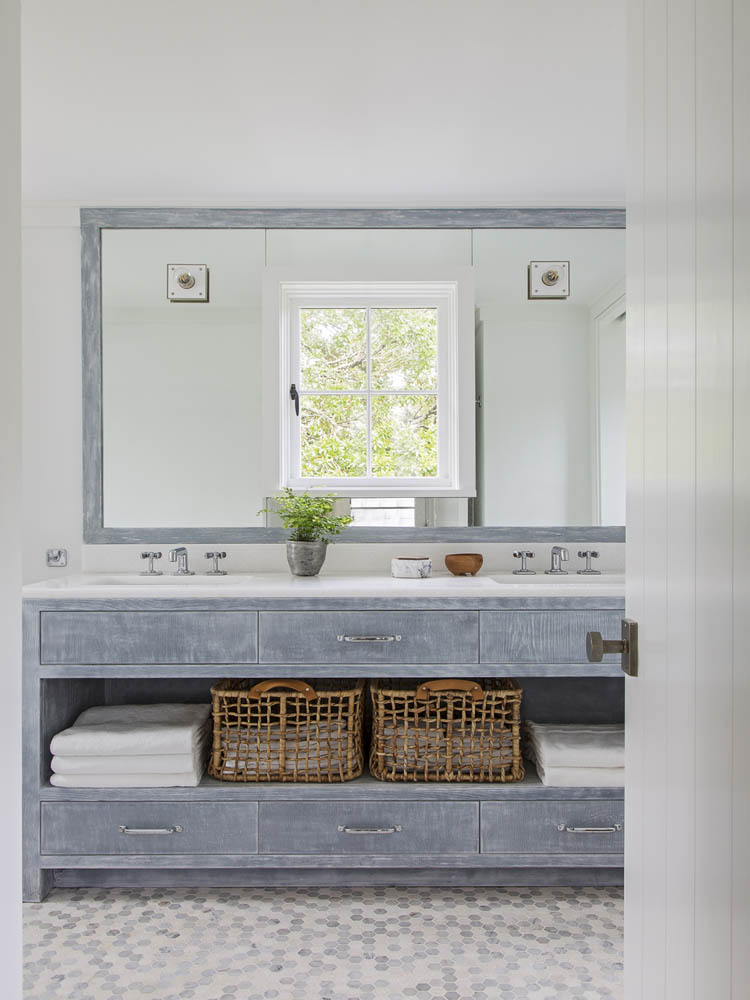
94 220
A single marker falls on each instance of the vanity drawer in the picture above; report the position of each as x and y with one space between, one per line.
116 637
369 637
198 827
543 636
339 827
534 827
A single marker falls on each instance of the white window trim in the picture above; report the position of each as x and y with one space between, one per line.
453 296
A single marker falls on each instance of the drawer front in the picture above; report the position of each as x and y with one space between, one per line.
341 827
553 827
543 636
114 637
370 637
134 828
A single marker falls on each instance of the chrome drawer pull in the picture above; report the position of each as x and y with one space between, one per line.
589 829
165 832
363 830
369 638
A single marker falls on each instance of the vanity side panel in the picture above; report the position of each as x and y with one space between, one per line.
125 637
36 881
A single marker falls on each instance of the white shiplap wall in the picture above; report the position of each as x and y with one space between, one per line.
689 494
10 495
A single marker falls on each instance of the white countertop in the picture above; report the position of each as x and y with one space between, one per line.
105 586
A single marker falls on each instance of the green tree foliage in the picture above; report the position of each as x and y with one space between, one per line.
402 359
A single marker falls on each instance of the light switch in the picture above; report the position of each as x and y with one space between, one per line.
549 279
187 283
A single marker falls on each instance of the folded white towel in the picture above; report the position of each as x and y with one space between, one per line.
581 777
165 763
172 712
190 778
576 746
141 730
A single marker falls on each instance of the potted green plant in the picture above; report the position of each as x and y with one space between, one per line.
311 522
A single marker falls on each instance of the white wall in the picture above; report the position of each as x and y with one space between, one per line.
182 382
52 508
610 430
286 102
536 414
536 383
10 495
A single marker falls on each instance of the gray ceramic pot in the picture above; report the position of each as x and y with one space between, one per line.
306 558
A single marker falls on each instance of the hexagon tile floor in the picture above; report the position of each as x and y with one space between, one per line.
324 944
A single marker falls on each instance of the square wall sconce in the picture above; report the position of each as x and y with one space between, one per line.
187 283
549 279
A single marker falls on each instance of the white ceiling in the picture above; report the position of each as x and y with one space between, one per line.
333 102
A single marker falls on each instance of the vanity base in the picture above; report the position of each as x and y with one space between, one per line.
114 878
80 653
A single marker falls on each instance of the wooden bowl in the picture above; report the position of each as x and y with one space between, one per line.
464 563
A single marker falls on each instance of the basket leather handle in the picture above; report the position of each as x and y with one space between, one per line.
470 687
301 686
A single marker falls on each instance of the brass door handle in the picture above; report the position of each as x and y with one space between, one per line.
627 646
596 646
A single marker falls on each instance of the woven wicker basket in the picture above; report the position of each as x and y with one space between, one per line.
446 730
287 730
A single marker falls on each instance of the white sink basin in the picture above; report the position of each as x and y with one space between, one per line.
571 585
540 578
98 580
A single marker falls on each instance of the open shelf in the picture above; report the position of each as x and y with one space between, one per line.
365 787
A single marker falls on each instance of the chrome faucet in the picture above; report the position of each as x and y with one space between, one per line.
180 556
559 555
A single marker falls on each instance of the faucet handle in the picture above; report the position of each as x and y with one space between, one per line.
151 571
588 555
523 555
215 571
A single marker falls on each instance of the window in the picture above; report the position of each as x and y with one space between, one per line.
369 387
393 512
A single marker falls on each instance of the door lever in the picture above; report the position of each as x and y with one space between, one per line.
627 646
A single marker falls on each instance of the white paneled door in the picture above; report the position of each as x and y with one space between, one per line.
688 358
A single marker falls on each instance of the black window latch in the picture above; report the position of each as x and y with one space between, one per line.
293 394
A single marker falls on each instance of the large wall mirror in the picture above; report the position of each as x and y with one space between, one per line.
440 388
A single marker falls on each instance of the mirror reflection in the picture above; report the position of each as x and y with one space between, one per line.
193 392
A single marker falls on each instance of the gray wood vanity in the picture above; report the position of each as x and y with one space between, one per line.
86 650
